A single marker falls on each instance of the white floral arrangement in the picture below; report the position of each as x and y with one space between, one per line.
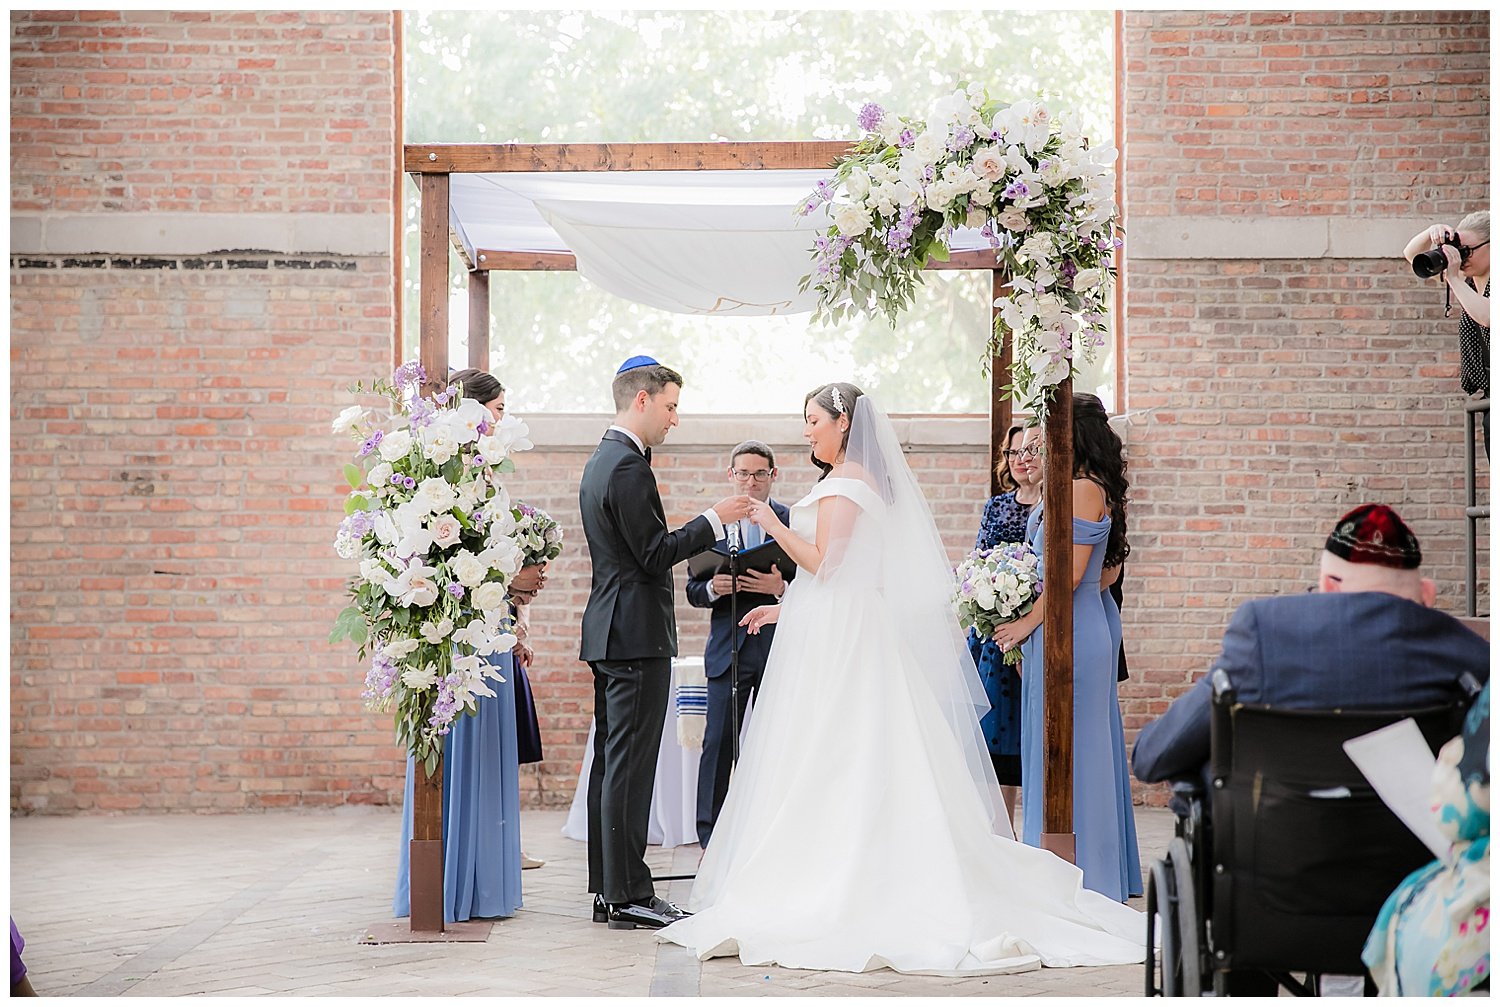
539 535
432 527
1038 192
996 586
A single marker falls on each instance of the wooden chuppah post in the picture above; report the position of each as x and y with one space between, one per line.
426 851
479 319
1057 617
1000 412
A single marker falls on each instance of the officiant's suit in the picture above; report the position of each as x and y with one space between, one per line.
629 640
718 653
1363 650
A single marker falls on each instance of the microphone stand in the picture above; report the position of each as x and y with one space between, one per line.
734 648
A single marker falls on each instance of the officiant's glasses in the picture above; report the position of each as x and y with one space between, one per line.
763 476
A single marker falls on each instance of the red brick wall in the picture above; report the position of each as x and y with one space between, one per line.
174 484
1278 392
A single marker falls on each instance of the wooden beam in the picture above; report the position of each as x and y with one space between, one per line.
479 319
1057 618
526 262
979 258
433 276
446 158
425 866
1000 405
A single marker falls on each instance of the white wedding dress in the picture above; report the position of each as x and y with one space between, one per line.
859 828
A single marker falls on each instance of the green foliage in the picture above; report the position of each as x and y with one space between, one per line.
558 76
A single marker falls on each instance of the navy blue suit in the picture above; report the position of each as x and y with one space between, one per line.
1363 651
714 765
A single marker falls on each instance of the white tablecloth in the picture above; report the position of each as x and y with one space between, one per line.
674 802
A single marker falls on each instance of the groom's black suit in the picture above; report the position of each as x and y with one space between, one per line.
629 640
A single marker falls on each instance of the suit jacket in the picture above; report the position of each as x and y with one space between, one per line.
630 612
718 652
1362 651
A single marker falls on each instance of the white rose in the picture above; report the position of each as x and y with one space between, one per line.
1013 219
1087 278
438 444
445 531
419 678
489 597
436 494
857 184
990 163
380 476
881 172
984 594
1038 247
929 146
976 218
349 419
436 632
467 568
852 220
396 445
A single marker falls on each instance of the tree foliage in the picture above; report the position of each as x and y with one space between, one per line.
558 76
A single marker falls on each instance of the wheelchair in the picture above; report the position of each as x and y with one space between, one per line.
1288 872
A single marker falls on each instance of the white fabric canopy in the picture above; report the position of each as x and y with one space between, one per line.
696 242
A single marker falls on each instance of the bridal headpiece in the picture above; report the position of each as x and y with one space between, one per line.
838 400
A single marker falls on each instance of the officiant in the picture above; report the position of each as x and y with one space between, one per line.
752 471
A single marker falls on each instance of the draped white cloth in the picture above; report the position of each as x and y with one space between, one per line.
695 242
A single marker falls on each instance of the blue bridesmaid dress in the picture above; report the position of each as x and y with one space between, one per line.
1103 819
481 811
1003 520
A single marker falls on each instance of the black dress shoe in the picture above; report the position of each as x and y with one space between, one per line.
601 910
652 914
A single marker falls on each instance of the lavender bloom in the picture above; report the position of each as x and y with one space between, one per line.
823 190
930 173
397 479
527 509
906 139
482 428
870 117
371 443
456 589
409 373
421 414
1068 269
409 482
961 139
1016 190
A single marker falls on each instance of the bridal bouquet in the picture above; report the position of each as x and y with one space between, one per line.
432 528
996 586
1035 190
540 536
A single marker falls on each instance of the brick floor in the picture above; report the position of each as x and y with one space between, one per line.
275 904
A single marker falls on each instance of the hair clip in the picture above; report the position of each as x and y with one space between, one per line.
838 400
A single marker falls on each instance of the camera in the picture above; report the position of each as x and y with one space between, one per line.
1431 263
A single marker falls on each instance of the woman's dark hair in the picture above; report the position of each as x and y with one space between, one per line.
823 397
480 385
1099 455
1002 463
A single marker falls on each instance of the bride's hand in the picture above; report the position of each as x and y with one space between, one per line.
762 514
758 617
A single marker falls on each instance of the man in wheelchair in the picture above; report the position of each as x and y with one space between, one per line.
1292 880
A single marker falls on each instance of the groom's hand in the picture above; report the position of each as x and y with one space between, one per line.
733 508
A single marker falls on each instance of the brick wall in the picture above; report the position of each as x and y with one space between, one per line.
173 481
1283 363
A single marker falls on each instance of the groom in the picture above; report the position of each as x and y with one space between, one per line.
630 634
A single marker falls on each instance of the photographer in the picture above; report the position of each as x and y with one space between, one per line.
1462 256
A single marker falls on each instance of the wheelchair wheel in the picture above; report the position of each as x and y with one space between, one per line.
1162 966
1189 930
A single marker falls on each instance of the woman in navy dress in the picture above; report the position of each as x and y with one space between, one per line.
481 784
1103 818
1004 520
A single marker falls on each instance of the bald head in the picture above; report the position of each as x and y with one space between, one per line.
1338 574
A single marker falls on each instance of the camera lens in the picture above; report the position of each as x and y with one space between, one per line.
1427 264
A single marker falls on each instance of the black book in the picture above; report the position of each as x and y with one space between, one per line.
760 559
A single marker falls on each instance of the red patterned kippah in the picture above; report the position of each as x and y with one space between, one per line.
1373 533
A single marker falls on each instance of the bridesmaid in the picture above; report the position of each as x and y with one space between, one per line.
1004 520
481 785
1103 819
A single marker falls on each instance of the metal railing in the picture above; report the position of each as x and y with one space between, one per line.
1473 512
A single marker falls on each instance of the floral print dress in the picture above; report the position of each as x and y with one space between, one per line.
1003 520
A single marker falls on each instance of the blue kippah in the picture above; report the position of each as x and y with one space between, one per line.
640 360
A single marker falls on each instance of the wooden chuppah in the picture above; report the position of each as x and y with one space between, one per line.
432 165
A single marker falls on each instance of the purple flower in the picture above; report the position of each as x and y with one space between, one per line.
371 443
870 117
409 482
482 428
961 139
1016 190
409 373
1068 269
930 173
397 479
528 510
456 589
823 190
906 138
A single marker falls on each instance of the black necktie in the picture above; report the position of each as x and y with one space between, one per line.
648 456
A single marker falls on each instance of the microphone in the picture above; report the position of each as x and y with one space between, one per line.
732 534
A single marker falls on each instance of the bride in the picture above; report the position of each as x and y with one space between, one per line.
863 827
